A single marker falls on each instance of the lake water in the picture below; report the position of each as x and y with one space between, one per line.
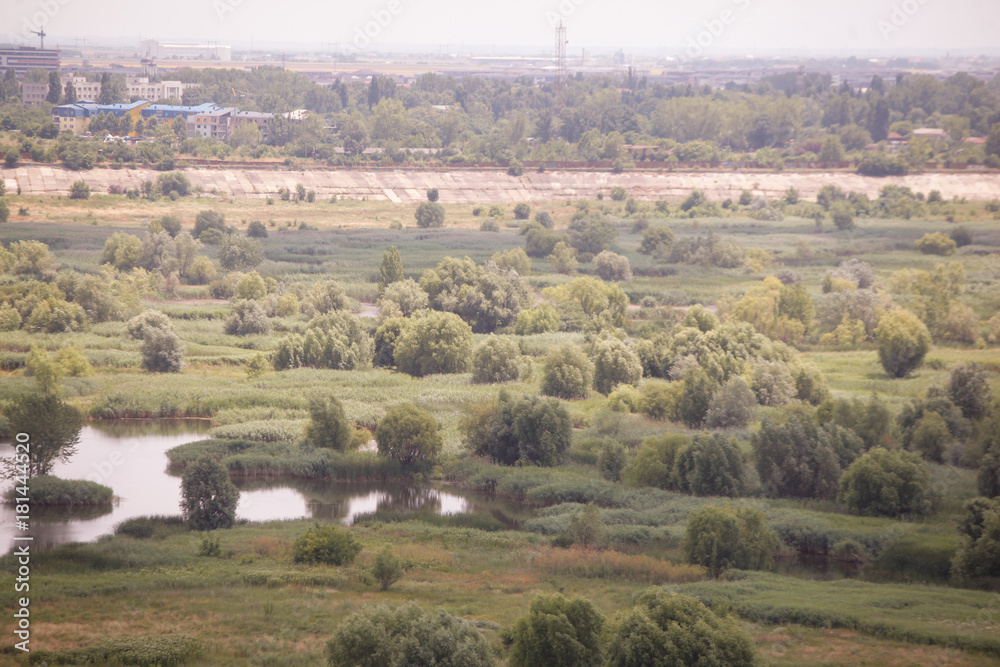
130 457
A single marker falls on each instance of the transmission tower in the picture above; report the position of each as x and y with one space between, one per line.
561 43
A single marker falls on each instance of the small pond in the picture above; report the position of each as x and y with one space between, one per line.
130 457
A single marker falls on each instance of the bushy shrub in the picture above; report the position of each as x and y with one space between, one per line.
387 568
429 214
378 636
722 538
239 253
567 373
732 406
522 211
772 383
328 426
557 632
79 190
615 363
936 244
611 461
403 297
434 343
710 465
612 267
796 459
247 318
512 429
969 389
538 320
903 342
887 483
930 436
515 259
976 559
162 351
496 360
670 629
337 340
257 230
326 544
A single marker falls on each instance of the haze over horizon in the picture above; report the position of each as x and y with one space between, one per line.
723 27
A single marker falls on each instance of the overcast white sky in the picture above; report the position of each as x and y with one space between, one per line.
754 26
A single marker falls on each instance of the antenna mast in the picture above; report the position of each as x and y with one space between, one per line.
561 43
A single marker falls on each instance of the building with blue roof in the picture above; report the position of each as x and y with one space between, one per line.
76 117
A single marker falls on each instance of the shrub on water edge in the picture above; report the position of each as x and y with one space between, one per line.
47 490
142 527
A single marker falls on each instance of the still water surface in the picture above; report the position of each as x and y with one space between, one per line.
130 457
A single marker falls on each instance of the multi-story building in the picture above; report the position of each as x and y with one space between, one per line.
138 87
76 117
23 58
34 93
168 112
215 123
151 48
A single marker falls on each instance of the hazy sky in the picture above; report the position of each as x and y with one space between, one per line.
671 26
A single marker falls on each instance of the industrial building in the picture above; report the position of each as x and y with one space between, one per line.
23 58
151 48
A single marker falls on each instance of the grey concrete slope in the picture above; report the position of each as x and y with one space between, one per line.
462 186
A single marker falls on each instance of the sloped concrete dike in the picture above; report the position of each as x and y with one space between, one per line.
461 186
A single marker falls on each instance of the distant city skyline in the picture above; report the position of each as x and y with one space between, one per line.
670 28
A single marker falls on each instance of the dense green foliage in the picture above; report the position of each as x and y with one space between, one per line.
887 483
407 636
53 430
559 632
326 544
208 497
410 436
669 629
328 426
721 538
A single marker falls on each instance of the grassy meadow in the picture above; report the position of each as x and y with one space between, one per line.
251 605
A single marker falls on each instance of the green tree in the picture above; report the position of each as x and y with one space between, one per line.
832 149
409 435
496 360
404 297
611 461
162 351
903 342
251 286
567 373
522 211
208 496
936 243
328 426
557 632
796 459
526 428
586 526
434 343
656 463
615 363
354 134
563 258
429 214
432 194
670 629
55 88
378 636
930 436
969 389
978 558
46 370
612 267
722 538
732 406
391 270
53 428
387 568
239 253
887 483
697 391
206 220
711 466
326 544
257 230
